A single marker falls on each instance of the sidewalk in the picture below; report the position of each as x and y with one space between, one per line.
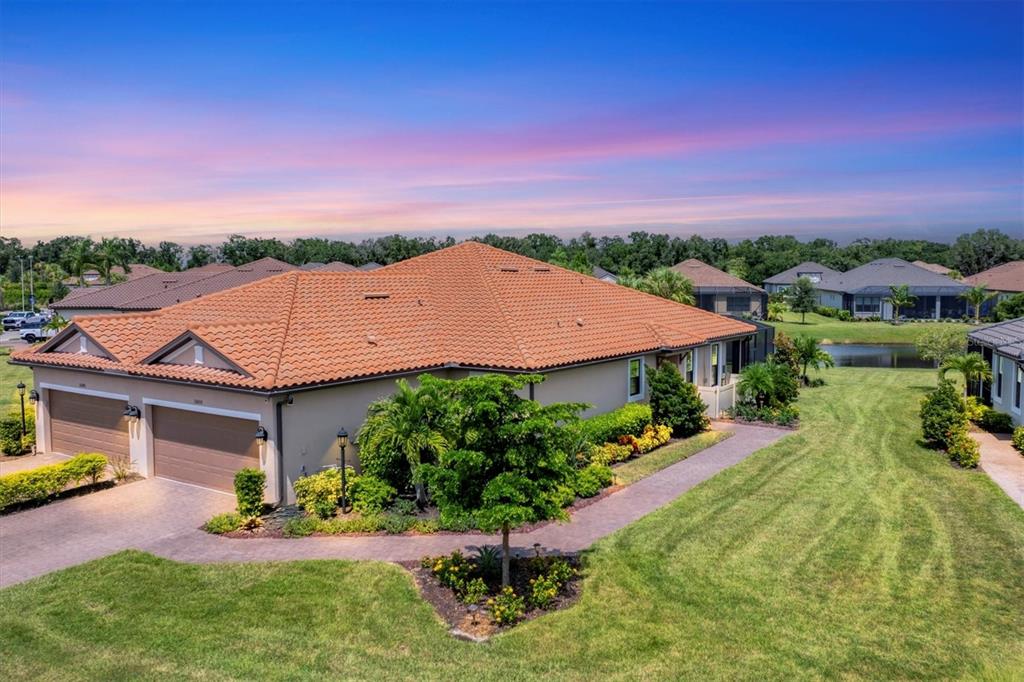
1002 463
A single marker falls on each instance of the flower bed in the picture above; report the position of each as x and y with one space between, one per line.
466 590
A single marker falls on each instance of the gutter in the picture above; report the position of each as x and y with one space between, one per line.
282 493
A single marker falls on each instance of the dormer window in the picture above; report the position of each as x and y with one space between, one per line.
83 345
199 354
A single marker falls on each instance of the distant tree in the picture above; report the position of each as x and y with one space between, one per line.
200 255
1010 308
802 297
899 297
776 311
168 256
577 261
971 365
80 259
811 355
940 342
976 297
666 283
737 267
984 249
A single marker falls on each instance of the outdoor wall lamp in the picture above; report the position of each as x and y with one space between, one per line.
132 411
342 444
33 396
261 433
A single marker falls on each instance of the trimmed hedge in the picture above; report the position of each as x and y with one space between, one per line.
249 485
42 482
628 420
1018 439
11 440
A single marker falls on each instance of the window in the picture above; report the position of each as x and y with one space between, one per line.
200 356
636 378
999 377
737 304
714 364
1020 381
687 364
83 345
867 304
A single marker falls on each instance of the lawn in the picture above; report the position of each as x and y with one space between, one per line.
10 375
845 550
830 330
656 460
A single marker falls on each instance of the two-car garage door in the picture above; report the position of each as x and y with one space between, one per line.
202 449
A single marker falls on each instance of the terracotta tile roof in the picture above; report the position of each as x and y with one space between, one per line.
467 305
934 267
704 276
1005 277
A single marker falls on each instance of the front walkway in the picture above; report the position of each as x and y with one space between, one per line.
1002 463
45 539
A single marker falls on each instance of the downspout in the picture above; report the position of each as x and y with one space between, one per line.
279 435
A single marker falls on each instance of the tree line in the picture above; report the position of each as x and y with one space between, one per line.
633 255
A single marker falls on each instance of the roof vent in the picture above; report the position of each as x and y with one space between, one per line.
579 321
541 269
371 339
376 294
509 269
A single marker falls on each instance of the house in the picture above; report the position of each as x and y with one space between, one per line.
1006 279
1003 347
603 275
809 269
720 292
934 267
93 277
161 289
337 266
365 267
863 290
265 374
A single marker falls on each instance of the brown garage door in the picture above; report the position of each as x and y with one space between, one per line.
203 449
85 423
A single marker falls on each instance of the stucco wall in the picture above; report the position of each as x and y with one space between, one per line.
604 385
1004 401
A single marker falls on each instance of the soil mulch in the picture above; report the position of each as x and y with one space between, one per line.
477 626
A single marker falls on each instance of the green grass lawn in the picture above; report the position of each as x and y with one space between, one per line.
845 550
10 375
656 460
830 330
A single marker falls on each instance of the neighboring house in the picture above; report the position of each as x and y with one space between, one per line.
863 291
265 375
366 267
1006 279
1003 347
934 267
604 275
720 292
93 277
161 289
809 269
337 266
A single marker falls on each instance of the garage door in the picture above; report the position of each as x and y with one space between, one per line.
203 449
85 423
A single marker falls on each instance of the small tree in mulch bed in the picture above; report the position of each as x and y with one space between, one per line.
510 460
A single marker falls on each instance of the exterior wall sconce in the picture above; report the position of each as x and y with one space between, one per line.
132 411
33 396
261 433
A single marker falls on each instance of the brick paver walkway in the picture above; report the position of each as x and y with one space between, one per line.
21 559
1002 463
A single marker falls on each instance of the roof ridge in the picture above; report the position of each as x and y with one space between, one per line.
178 285
481 273
294 275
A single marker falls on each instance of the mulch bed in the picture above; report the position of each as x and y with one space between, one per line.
478 626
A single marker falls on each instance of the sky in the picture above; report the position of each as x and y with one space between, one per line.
190 122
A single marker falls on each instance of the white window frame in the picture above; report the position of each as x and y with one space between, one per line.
997 378
200 356
715 363
689 363
1019 386
629 376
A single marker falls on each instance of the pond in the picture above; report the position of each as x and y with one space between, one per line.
900 355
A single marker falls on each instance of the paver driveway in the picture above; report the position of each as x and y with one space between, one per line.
79 529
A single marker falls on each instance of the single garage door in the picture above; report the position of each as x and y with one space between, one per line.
202 449
85 423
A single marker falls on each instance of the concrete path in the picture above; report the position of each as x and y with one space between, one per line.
169 527
1002 463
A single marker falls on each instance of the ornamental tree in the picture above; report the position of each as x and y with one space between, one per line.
675 402
510 460
802 297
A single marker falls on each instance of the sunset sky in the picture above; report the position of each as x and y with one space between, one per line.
188 122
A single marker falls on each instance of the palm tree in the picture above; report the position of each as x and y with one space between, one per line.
757 382
776 309
810 355
401 424
79 259
976 297
56 323
666 283
899 297
971 365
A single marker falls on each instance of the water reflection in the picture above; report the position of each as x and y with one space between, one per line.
898 355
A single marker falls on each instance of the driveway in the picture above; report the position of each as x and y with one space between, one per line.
37 541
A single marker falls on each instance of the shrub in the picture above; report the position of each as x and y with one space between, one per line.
456 520
994 421
591 479
507 607
787 415
42 482
543 590
974 409
223 523
676 403
826 311
962 449
249 486
474 591
451 570
609 453
785 352
606 428
370 495
488 561
394 524
318 494
942 412
11 440
1018 439
653 436
844 315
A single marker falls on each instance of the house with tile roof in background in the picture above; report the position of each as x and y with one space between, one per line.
809 269
264 374
719 292
93 278
934 267
1005 280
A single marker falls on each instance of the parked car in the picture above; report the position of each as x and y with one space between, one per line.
36 332
15 319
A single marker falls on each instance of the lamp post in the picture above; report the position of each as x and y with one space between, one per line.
342 444
21 394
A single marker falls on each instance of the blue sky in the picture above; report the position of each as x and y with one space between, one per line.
189 122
